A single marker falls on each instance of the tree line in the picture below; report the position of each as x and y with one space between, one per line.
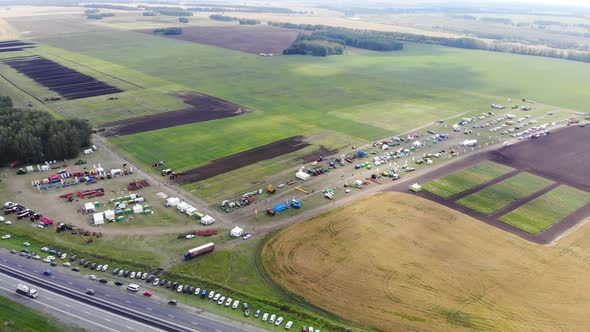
31 136
168 31
242 21
313 47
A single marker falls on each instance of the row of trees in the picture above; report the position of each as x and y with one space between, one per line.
168 31
243 21
315 48
34 136
370 40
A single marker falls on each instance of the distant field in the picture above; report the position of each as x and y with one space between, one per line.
547 210
466 179
397 262
502 194
15 317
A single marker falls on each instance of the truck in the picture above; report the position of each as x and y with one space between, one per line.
194 252
26 291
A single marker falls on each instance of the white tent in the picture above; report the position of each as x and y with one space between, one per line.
172 201
109 214
302 175
415 187
44 168
89 207
207 220
137 208
191 211
237 231
162 195
182 206
97 219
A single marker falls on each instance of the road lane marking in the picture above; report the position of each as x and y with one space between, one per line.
194 323
69 282
128 302
170 316
149 308
19 265
67 305
107 295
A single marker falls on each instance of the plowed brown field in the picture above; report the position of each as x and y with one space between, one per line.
397 262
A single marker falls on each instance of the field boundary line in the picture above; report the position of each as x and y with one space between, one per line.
521 202
482 186
21 89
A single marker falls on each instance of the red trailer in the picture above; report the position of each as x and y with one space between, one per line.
209 247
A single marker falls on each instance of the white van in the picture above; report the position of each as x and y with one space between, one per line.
133 288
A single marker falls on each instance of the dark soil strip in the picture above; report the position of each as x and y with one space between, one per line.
321 152
242 159
204 108
477 188
14 49
14 43
523 201
564 225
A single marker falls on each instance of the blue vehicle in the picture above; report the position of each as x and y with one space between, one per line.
47 272
203 293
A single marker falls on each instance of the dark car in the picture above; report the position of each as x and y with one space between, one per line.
77 269
103 281
257 313
93 266
29 256
53 264
172 302
87 264
90 291
82 261
13 251
26 251
126 274
150 278
115 271
47 272
162 282
73 258
203 293
175 284
186 288
191 290
118 283
168 284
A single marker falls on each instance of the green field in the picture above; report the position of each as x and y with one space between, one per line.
467 178
498 196
15 317
547 210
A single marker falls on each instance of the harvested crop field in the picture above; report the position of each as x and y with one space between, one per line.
204 108
558 158
67 82
249 39
396 262
241 159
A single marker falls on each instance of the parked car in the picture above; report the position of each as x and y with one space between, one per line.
115 271
67 263
211 294
257 314
156 281
172 302
216 297
53 264
221 300
228 301
288 325
279 321
148 294
175 284
203 293
76 269
73 258
105 267
144 276
121 273
90 291
92 277
132 275
197 291
179 289
13 251
191 290
126 274
150 278
162 282
168 284
99 268
93 266
235 305
247 236
272 318
103 281
26 244
265 317
45 249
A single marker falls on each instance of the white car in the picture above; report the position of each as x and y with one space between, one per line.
247 236
212 294
67 264
265 317
8 222
272 318
64 256
46 260
51 258
288 325
235 305
26 244
138 275
347 191
132 275
98 268
92 277
6 237
281 185
104 267
144 276
190 236
197 291
179 288
133 287
221 299
121 272
156 282
228 302
279 321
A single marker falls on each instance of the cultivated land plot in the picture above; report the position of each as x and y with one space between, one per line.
204 108
466 179
397 262
249 39
500 195
546 210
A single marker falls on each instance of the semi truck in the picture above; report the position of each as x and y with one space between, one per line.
199 251
26 291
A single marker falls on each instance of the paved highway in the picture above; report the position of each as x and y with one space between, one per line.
188 318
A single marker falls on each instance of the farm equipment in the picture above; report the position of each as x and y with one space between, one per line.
291 182
295 204
90 193
25 214
373 178
62 227
302 190
68 196
270 212
133 185
207 232
329 193
36 216
270 189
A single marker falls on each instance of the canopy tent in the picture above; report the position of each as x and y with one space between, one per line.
207 220
89 207
97 219
109 214
237 231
